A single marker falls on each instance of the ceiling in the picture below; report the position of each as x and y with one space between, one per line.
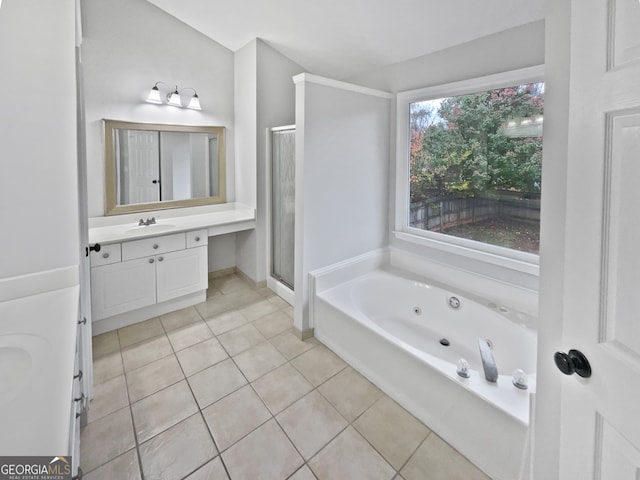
343 38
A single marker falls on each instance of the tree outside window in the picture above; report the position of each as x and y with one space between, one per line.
475 165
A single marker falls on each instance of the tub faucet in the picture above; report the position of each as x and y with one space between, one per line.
488 362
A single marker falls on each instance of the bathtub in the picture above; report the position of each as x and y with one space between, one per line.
407 334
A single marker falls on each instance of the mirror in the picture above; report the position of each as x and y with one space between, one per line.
153 166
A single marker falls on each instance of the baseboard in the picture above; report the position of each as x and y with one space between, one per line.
247 279
281 290
235 270
145 313
222 273
304 335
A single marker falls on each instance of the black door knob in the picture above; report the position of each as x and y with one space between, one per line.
572 362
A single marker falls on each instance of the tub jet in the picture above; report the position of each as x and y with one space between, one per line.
454 302
445 342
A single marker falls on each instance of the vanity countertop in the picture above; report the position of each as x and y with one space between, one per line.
218 219
37 342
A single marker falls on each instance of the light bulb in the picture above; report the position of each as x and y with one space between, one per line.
520 379
154 96
194 102
174 99
463 368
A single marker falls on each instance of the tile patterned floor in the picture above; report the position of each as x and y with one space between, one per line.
225 390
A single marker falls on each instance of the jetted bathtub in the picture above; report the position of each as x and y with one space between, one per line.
408 335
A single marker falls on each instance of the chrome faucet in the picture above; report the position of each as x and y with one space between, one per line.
147 222
488 362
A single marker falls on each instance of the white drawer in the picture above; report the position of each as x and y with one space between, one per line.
108 254
197 238
152 246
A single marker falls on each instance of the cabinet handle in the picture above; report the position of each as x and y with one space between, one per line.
155 246
197 239
160 259
94 248
151 260
105 255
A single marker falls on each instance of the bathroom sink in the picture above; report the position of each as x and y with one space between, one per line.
153 228
19 355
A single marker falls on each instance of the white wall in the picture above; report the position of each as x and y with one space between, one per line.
342 187
38 179
128 46
511 49
265 97
276 107
246 118
222 252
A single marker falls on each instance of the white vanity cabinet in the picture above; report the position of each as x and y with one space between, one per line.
122 287
180 273
131 275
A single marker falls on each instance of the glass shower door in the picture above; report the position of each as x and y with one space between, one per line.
282 204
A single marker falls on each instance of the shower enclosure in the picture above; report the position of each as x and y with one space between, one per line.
282 210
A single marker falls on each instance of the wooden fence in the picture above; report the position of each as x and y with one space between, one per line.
438 214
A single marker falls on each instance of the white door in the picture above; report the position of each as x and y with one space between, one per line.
597 275
85 348
144 166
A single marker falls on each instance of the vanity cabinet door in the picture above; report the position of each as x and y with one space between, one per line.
121 287
182 272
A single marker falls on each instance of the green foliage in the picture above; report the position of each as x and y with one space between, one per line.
459 145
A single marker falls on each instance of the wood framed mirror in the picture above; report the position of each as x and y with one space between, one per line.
156 166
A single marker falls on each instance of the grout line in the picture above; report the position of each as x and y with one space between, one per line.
224 465
351 424
315 388
271 415
200 410
133 422
300 468
415 450
230 357
184 377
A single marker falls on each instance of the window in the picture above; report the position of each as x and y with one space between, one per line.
470 172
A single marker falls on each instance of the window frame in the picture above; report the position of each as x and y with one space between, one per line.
513 259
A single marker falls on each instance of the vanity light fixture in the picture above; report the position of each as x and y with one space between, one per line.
173 97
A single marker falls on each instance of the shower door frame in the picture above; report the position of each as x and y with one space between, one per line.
279 288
